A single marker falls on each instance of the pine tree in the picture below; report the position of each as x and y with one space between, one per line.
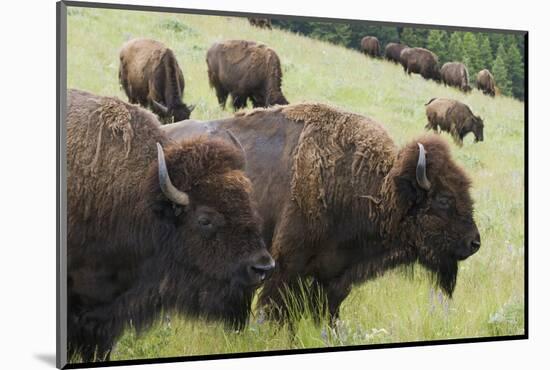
485 52
337 33
500 72
455 51
515 70
437 42
410 37
471 57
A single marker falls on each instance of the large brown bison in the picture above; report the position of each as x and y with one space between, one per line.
150 75
421 61
486 82
456 74
393 50
245 69
342 204
153 225
453 117
260 22
370 46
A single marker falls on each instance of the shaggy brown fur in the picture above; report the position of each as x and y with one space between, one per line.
421 61
260 22
486 82
340 202
131 251
453 117
150 72
456 74
370 46
393 52
245 70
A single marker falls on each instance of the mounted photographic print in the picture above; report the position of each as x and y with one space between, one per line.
237 184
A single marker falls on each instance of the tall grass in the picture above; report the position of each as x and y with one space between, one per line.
398 307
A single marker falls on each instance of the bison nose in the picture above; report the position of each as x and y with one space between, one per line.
468 246
261 268
475 243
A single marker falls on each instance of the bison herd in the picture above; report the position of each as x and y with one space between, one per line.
194 216
426 63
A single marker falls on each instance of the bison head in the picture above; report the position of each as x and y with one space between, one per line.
202 197
432 209
436 74
476 126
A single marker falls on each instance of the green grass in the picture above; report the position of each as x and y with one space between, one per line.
398 307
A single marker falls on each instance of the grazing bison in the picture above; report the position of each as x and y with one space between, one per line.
453 117
260 22
393 52
150 75
421 61
370 46
342 204
153 225
486 82
455 74
245 70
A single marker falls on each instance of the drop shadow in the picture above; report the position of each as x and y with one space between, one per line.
47 358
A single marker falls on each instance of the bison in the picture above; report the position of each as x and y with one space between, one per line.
245 69
370 46
454 117
153 225
342 204
486 82
392 52
150 76
260 22
456 74
421 61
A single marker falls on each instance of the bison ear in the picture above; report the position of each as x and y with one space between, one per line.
407 193
167 211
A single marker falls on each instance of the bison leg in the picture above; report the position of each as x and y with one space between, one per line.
317 300
431 126
239 102
288 249
258 101
337 291
91 337
221 94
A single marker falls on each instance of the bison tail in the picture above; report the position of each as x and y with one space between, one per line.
431 100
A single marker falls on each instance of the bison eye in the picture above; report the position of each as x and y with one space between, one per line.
204 221
443 201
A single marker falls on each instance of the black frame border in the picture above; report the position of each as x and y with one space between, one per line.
61 273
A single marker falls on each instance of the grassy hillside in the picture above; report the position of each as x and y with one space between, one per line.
398 307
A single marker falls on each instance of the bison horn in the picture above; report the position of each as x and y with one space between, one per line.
421 177
191 107
169 190
159 106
